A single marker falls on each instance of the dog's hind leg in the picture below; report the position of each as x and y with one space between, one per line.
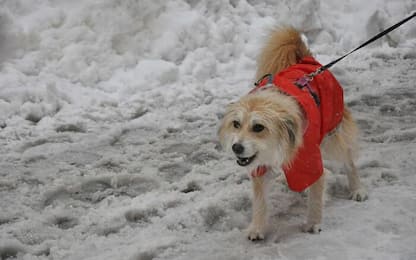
257 228
342 146
358 192
315 205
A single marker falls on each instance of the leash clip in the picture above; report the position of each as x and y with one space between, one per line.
303 82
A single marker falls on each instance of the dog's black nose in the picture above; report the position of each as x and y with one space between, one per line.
238 148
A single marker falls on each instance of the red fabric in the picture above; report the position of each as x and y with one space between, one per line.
306 167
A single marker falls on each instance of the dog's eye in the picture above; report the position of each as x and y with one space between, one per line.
236 124
258 128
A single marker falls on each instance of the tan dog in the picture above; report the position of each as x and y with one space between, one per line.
266 129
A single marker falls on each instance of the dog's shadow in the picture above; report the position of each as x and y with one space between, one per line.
288 209
285 232
287 215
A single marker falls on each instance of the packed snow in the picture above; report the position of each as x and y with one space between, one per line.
108 119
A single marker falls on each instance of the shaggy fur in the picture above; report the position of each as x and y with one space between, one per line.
283 125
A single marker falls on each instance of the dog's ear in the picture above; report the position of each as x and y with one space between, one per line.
221 115
224 119
230 105
291 129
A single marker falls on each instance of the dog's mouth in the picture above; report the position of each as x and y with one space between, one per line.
244 161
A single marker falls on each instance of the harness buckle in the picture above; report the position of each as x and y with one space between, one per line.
303 82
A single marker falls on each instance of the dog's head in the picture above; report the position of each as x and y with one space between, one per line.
263 128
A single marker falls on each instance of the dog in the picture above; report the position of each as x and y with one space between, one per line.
280 125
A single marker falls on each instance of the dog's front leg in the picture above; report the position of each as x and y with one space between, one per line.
315 205
257 228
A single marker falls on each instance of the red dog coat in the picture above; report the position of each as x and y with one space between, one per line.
322 117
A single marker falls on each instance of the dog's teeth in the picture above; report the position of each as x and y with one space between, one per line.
244 161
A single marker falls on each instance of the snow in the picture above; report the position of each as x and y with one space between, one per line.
108 119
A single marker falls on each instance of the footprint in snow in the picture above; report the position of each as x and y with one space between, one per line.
75 128
390 104
174 171
212 215
11 251
179 148
191 187
77 157
204 156
94 190
141 215
385 178
64 222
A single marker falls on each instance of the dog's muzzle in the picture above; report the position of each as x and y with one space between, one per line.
238 149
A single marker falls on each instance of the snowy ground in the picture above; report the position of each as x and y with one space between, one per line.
108 118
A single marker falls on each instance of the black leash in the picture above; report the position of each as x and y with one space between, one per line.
302 82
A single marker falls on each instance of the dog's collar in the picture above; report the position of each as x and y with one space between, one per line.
259 171
264 80
263 83
263 87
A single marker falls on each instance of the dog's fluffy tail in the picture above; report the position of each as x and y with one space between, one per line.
283 48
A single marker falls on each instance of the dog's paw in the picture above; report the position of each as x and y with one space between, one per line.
256 232
311 228
359 194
